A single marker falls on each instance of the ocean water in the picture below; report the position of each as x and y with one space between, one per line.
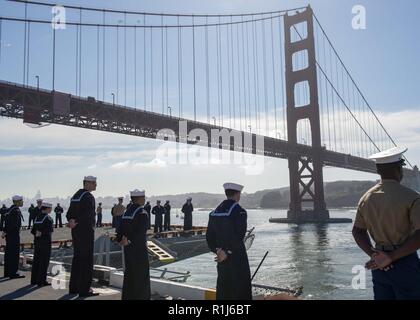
318 258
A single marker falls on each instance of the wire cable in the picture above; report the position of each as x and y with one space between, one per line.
1 39
207 73
156 14
357 87
189 26
162 69
274 79
103 57
194 80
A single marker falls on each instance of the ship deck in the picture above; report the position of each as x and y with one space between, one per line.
21 289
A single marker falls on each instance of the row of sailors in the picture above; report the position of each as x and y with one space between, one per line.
225 233
226 230
35 211
388 213
42 230
162 214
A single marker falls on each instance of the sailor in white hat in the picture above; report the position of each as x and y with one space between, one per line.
16 199
225 234
132 235
390 213
42 231
158 211
167 216
46 205
81 217
137 193
187 209
11 231
233 186
389 156
148 209
35 212
58 210
3 211
89 179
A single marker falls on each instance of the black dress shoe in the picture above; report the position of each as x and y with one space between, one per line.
17 276
89 294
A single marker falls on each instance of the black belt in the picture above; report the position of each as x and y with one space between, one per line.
390 247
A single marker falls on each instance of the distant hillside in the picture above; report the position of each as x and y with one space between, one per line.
338 194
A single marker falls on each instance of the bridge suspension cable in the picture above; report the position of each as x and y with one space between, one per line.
25 42
226 32
194 73
189 59
103 57
129 26
329 79
39 3
348 94
353 81
1 39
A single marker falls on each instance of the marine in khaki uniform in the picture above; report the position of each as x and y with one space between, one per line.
390 214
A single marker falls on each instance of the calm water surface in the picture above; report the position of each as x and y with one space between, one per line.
319 258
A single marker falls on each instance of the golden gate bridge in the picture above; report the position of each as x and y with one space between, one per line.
273 77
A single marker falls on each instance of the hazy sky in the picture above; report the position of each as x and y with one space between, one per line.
383 59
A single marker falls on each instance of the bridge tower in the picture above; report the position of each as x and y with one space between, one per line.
307 203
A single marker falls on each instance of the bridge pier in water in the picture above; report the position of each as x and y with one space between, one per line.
307 203
359 132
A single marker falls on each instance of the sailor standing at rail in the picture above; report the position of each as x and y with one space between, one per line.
31 212
158 211
226 230
37 210
188 209
390 213
167 217
11 231
42 230
34 211
132 236
58 212
81 218
148 208
3 211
